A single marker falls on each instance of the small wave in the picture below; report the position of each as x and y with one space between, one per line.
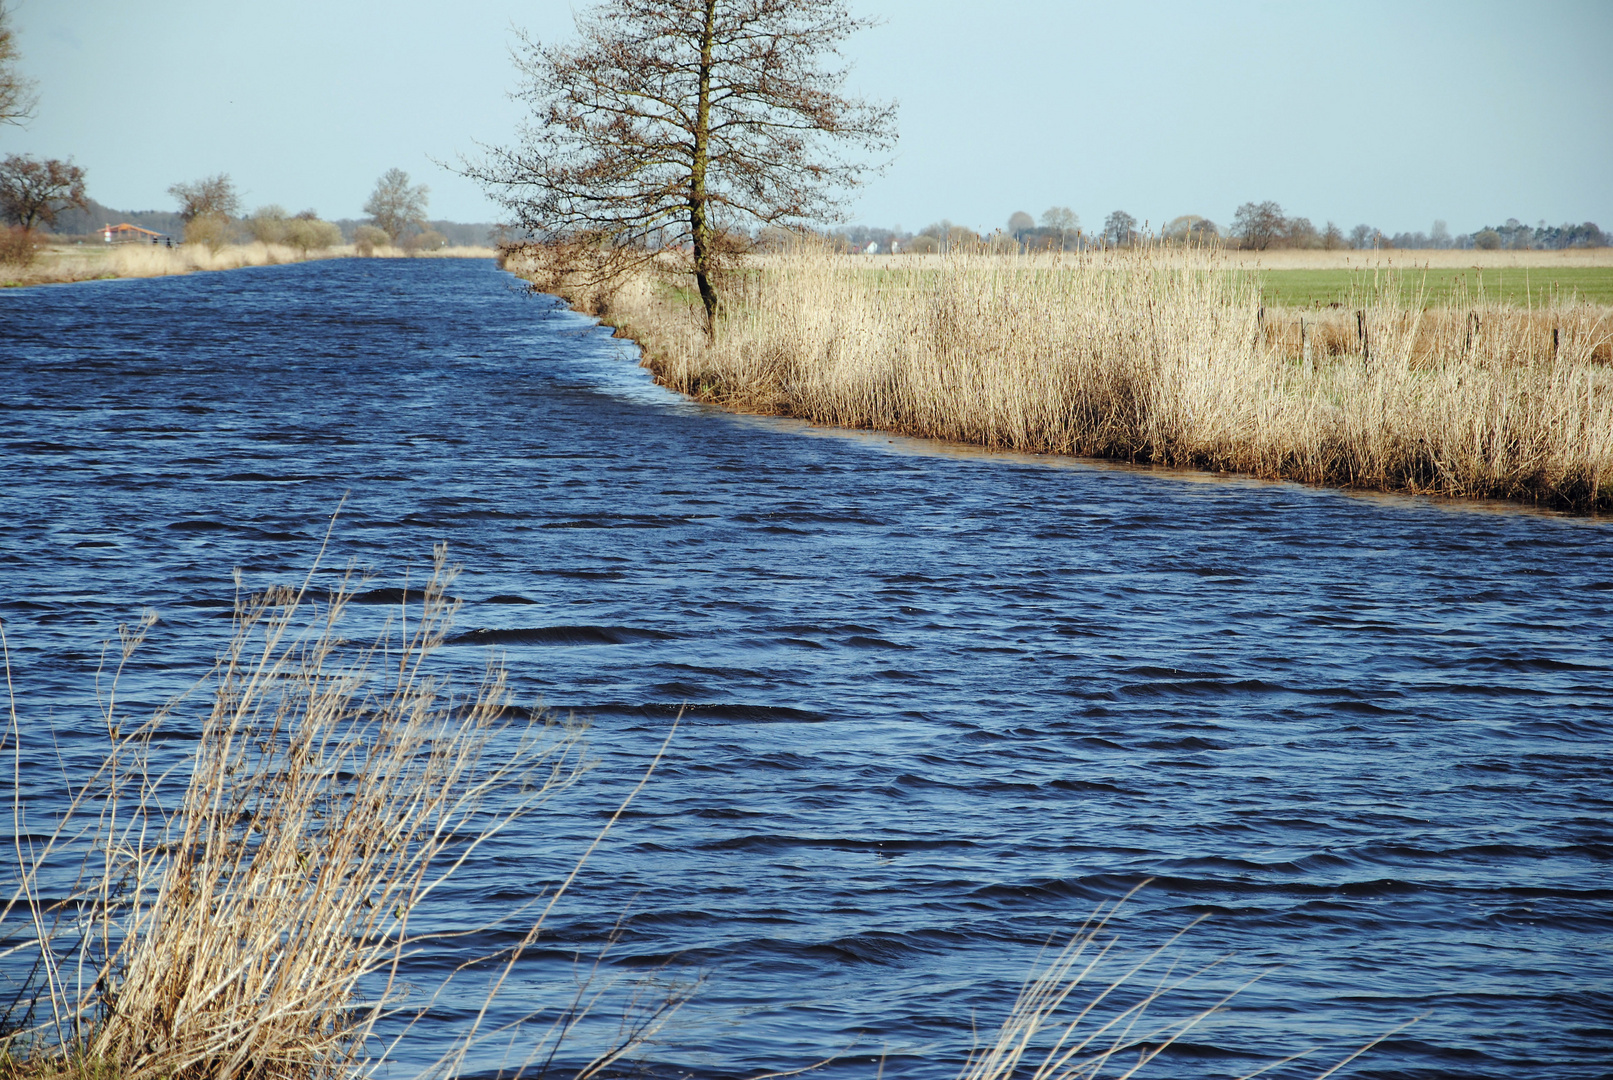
604 522
732 711
262 478
559 635
388 596
1202 687
864 641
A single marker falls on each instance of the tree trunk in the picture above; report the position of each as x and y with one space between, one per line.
699 224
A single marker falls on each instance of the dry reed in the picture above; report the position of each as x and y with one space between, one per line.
1050 1033
1084 1014
61 264
248 909
1150 356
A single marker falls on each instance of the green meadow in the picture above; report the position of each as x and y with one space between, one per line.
1440 286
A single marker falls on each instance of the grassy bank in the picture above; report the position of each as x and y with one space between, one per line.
1163 357
63 263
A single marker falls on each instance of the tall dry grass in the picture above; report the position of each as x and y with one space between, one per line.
248 908
1149 356
62 264
1086 1013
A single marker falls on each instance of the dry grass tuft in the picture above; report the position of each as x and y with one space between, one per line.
1082 1014
62 264
246 909
1150 356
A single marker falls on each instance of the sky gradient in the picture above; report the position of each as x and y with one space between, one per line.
1388 114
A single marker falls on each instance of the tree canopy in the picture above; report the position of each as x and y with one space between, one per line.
34 191
1258 225
397 205
1119 228
209 197
668 121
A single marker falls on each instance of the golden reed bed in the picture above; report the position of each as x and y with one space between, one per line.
1150 356
61 263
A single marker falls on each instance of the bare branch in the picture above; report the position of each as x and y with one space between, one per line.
669 122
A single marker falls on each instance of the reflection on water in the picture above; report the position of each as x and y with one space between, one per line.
939 702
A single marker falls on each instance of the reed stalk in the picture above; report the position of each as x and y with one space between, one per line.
248 908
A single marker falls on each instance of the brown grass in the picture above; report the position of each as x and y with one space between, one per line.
1149 356
247 909
60 264
1085 1012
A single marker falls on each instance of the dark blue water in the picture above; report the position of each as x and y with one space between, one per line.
940 703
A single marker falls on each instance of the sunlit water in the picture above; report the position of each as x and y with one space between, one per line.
939 703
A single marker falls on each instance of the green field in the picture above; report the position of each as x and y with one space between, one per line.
1440 286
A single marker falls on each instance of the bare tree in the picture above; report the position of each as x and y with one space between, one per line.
1063 220
670 121
1257 225
1363 236
33 192
1298 232
211 196
1119 228
17 98
396 205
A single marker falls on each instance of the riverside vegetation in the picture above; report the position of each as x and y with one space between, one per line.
54 264
246 893
1163 356
249 908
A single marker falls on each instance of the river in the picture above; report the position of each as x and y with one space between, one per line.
939 703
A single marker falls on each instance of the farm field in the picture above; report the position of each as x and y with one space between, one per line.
1440 286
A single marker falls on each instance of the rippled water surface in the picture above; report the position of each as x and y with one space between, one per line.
939 703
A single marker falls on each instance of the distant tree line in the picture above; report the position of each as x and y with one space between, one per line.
47 198
1256 226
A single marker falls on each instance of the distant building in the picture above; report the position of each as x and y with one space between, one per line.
130 234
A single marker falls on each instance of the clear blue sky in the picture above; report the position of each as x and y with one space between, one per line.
1390 114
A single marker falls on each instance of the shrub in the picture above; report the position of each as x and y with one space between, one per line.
210 231
310 234
366 238
18 246
267 224
430 240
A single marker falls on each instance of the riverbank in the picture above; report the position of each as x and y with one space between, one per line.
62 264
1157 357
